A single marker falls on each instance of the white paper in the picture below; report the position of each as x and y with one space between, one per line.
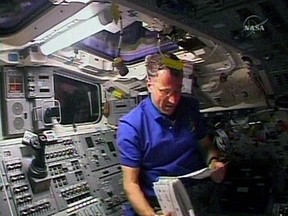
199 174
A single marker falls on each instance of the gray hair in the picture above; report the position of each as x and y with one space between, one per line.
155 62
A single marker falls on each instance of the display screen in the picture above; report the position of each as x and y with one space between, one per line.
89 142
111 146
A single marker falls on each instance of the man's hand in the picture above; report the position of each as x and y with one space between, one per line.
167 214
220 170
159 213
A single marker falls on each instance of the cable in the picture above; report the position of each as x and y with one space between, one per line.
118 62
159 44
120 37
212 52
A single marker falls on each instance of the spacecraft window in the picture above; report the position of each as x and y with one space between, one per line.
80 101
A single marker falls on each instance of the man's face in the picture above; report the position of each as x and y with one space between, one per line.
165 91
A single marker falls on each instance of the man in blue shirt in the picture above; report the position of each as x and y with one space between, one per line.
163 136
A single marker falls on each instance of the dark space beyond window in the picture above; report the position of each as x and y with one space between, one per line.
80 101
16 14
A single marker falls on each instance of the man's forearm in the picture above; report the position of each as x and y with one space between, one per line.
138 200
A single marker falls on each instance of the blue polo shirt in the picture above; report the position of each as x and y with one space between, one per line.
159 146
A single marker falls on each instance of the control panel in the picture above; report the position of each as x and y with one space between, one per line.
39 82
27 92
83 177
118 108
280 209
255 142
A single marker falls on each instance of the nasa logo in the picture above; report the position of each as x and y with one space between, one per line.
254 24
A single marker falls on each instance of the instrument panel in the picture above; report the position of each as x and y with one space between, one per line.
84 177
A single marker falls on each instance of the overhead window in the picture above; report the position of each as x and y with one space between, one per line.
14 15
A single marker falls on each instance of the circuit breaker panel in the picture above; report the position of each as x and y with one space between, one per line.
25 90
17 115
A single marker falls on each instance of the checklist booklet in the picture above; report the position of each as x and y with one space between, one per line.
172 195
